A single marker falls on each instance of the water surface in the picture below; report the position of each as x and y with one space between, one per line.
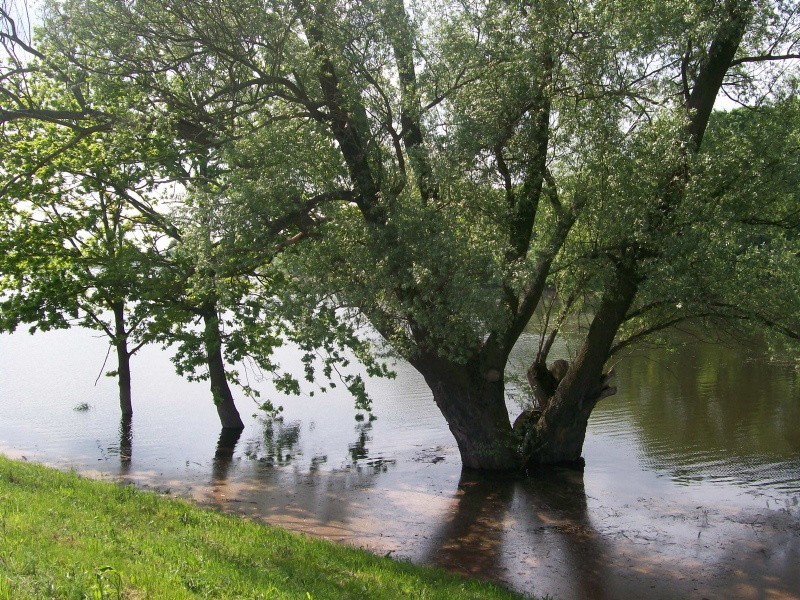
691 487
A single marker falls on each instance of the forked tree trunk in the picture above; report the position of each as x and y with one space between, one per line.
220 391
475 410
556 436
123 360
472 397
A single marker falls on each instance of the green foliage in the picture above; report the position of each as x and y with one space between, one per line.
422 171
71 249
176 230
108 583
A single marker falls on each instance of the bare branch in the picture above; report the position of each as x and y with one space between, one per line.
764 58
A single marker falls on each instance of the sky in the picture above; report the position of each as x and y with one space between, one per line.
24 12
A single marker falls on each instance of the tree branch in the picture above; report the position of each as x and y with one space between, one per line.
400 35
713 70
764 58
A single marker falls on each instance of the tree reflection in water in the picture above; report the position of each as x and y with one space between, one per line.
712 413
223 456
358 450
271 485
277 444
125 448
549 510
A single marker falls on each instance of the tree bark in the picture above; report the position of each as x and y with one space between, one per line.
472 397
221 392
720 56
123 360
472 401
557 436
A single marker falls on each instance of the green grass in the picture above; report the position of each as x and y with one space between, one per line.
62 536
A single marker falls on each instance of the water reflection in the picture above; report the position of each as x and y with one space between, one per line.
358 450
701 412
544 518
548 536
710 413
223 456
126 439
471 537
278 443
691 488
360 454
125 444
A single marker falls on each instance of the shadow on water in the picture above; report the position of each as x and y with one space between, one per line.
767 565
548 514
544 535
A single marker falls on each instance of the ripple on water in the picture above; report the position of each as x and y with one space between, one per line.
673 442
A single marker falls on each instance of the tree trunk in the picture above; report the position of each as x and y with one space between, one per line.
125 445
557 435
223 398
473 404
472 397
123 360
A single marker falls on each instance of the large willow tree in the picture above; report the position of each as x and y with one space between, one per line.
448 169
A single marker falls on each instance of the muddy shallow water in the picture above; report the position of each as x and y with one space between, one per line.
691 487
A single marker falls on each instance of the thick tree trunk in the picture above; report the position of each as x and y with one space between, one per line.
473 404
472 397
123 360
221 392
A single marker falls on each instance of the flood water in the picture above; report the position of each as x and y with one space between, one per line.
691 487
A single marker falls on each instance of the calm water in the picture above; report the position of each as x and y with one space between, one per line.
691 488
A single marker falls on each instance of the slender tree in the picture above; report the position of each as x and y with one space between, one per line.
72 252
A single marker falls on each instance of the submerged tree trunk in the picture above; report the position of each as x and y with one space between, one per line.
472 397
473 404
221 392
123 360
556 435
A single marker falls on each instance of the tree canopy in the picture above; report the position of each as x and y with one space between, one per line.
446 169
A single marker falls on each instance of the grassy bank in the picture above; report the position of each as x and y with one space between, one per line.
62 536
